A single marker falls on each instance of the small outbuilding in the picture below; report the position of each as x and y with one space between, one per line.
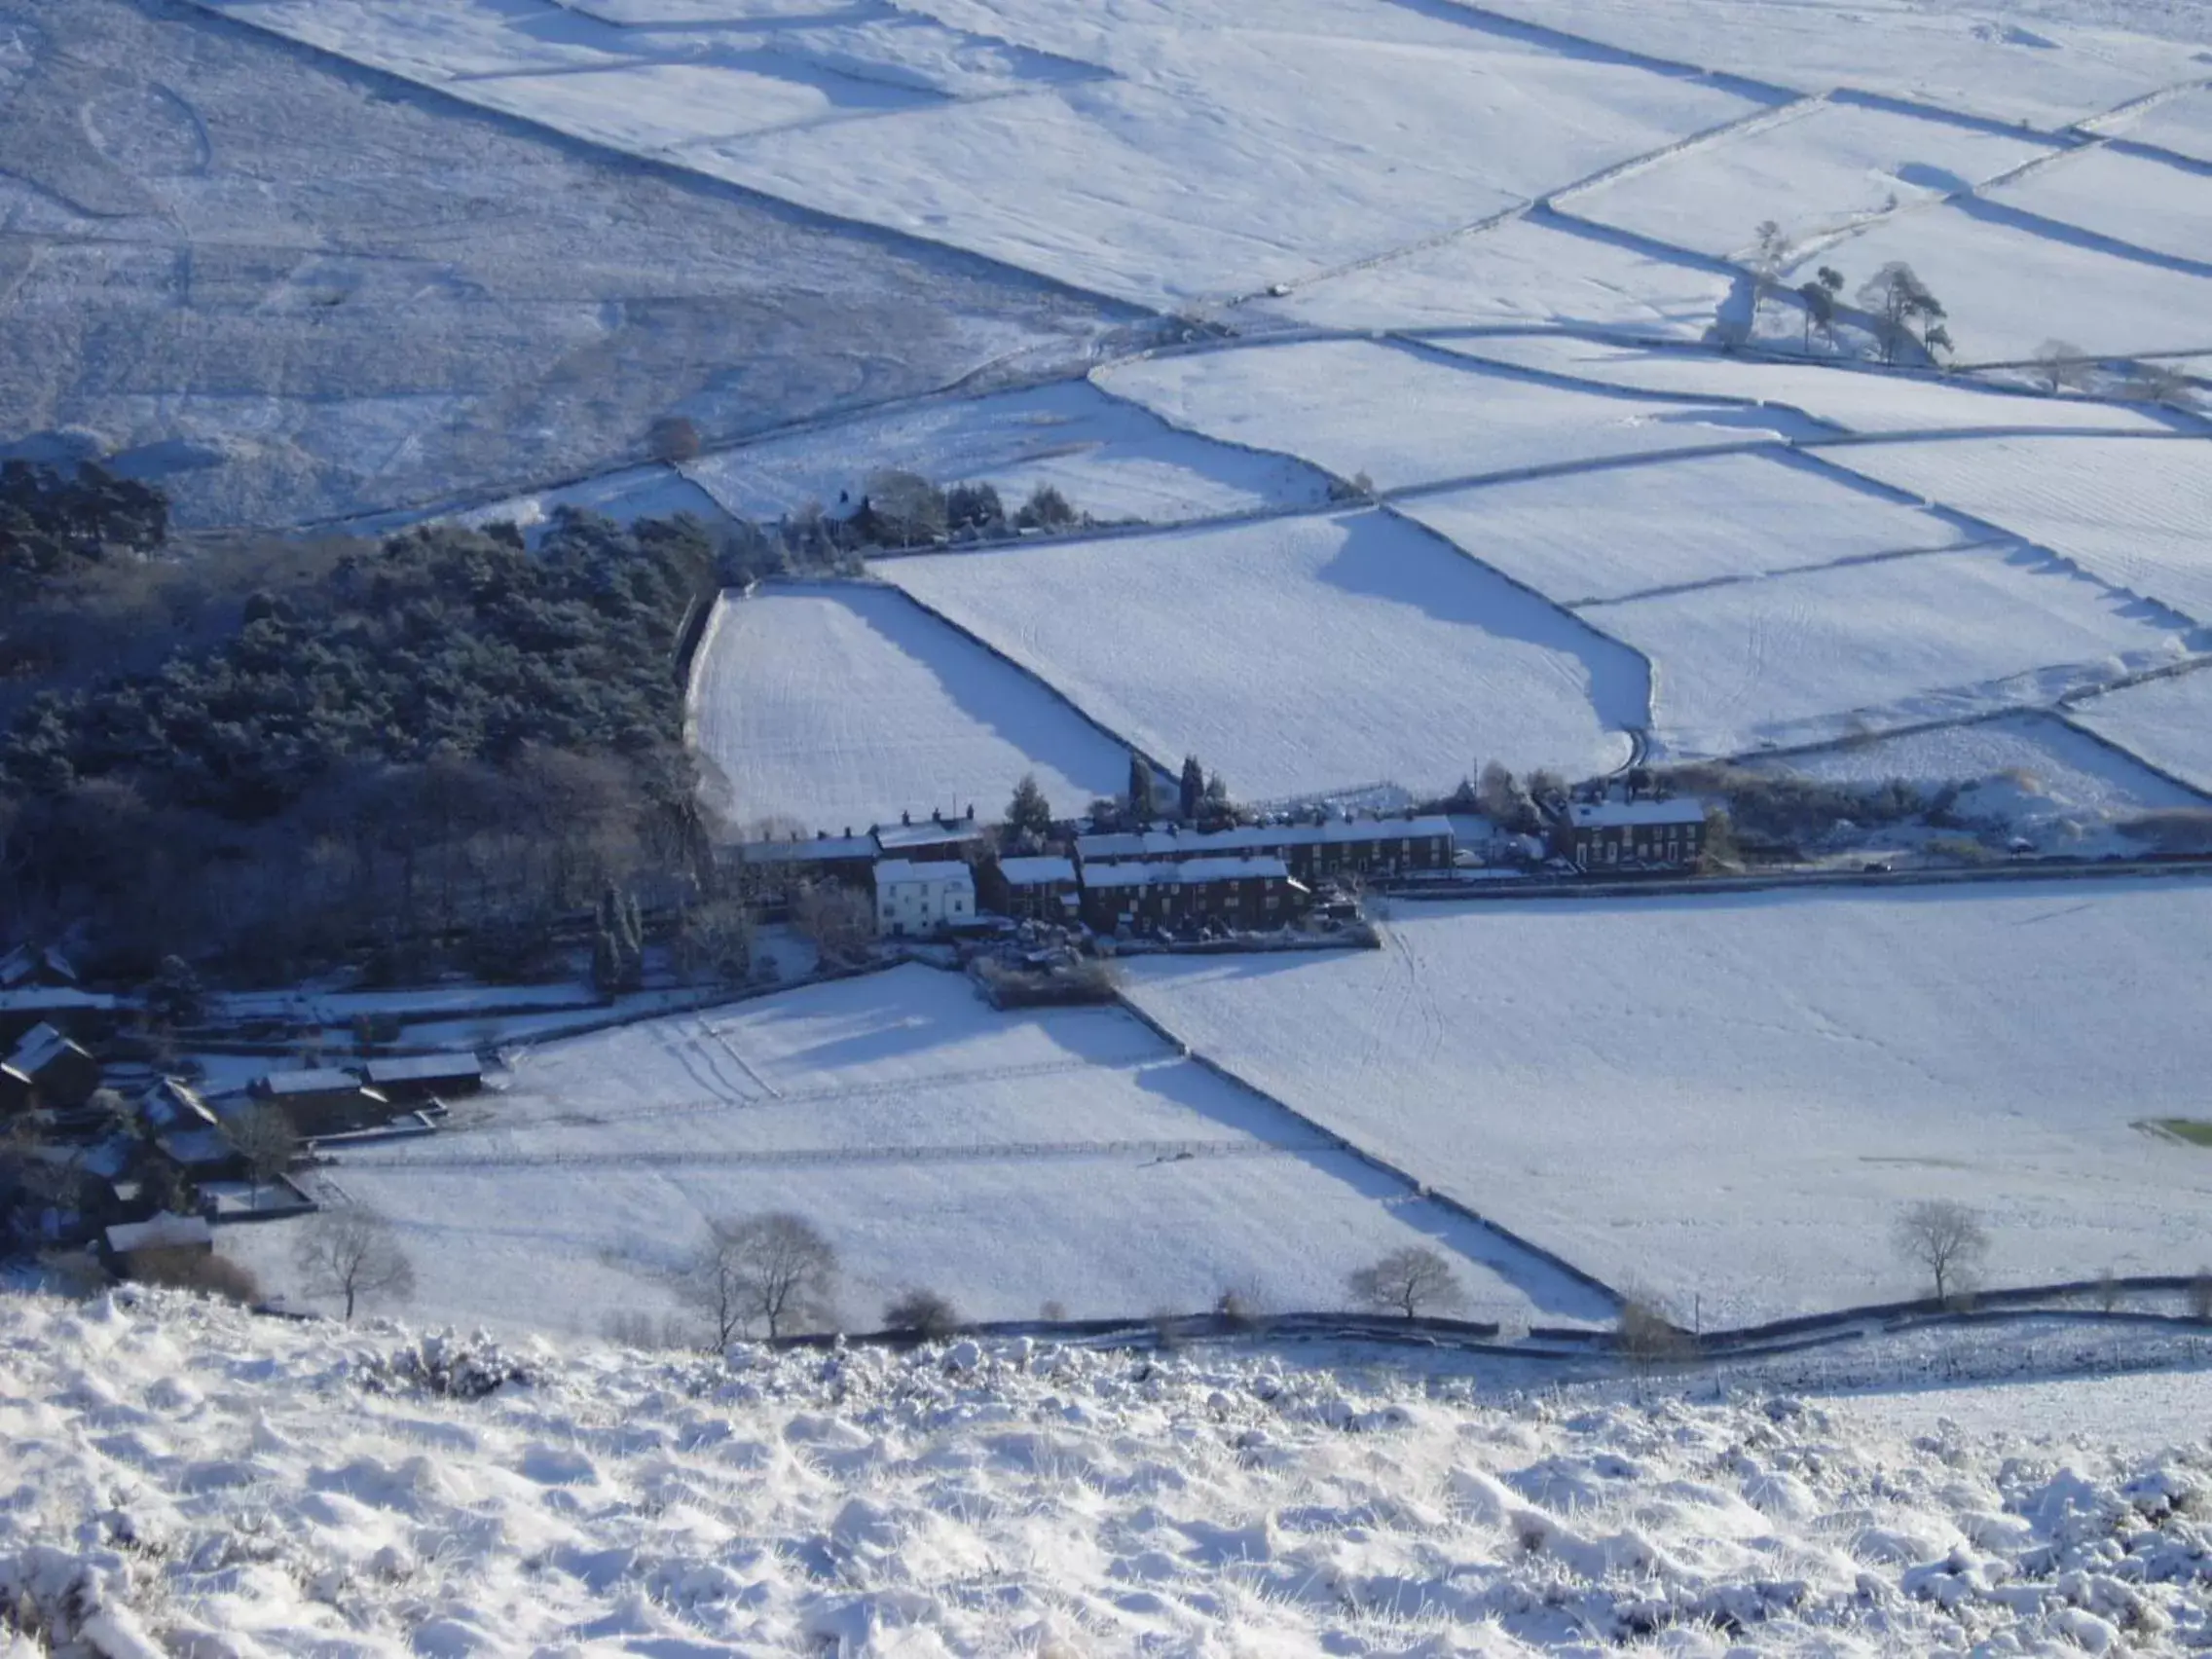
323 1101
411 1080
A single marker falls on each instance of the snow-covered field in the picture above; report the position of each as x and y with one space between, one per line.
1005 1161
1300 655
300 293
1538 268
1150 159
1109 458
654 491
2012 282
2132 511
843 705
2061 69
1854 649
2182 125
1630 530
1729 1099
1403 415
1212 161
1822 170
192 1480
1853 397
2154 208
2168 721
2072 775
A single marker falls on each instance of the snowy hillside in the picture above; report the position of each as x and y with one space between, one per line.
182 1478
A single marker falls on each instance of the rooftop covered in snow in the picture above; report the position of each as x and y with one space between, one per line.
1607 814
1036 871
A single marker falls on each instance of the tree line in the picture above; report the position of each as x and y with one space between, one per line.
379 746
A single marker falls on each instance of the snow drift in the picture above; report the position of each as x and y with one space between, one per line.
179 1477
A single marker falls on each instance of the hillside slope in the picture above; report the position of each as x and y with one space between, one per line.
177 1477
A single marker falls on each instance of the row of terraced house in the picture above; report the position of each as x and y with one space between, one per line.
931 877
1252 876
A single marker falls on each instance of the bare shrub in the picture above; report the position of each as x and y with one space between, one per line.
838 921
2107 1293
1239 1308
352 1254
179 1269
1053 1313
921 1313
2172 828
1646 1338
2200 1296
673 438
74 1273
634 1328
775 1269
1086 981
1945 1239
1411 1281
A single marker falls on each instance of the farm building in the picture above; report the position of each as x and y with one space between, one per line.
1244 893
323 1101
46 1071
1033 889
413 1079
1364 847
913 901
83 1015
1632 834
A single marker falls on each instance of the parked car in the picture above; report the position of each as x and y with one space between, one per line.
1876 867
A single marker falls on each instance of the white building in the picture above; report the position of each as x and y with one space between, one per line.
915 899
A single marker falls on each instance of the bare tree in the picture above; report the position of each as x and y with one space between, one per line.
1501 795
1905 311
838 920
1945 1239
1410 1281
1818 296
774 1269
2107 1291
2200 1296
715 938
924 1313
2062 363
352 1252
907 509
1769 254
2161 382
264 1139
